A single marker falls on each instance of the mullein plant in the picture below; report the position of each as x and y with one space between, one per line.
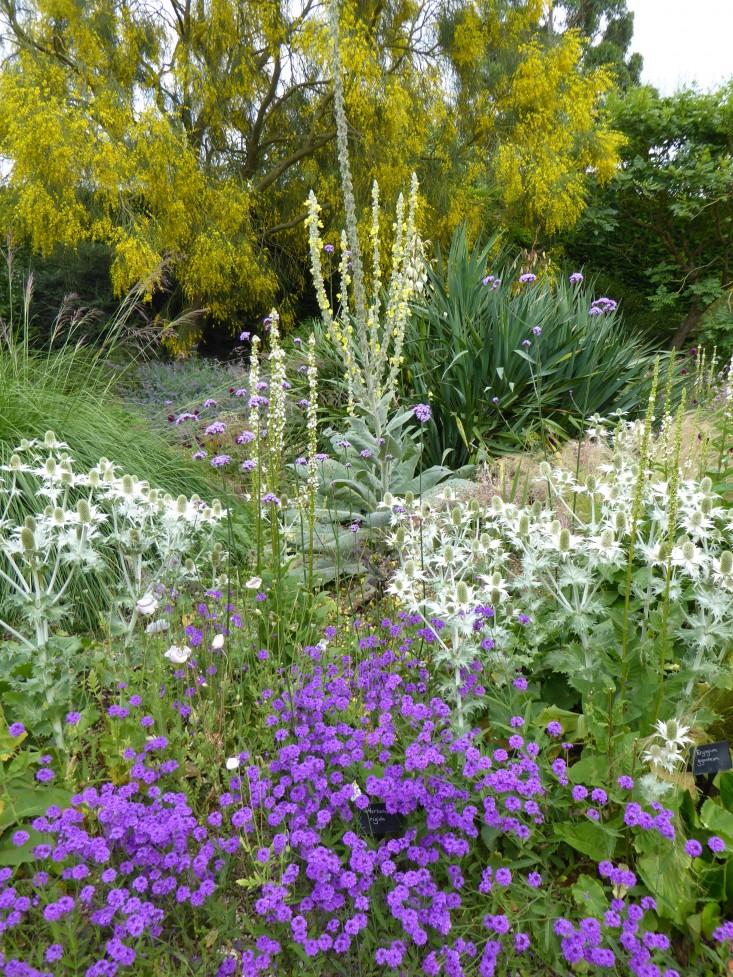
124 531
544 586
368 331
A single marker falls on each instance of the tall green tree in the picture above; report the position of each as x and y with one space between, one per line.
668 214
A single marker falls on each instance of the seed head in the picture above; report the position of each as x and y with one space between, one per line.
84 512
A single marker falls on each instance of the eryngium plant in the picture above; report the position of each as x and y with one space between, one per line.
120 533
563 568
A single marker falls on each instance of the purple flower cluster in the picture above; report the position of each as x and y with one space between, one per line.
601 306
114 864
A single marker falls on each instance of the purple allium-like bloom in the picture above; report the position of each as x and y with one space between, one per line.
526 342
72 718
626 783
503 876
244 336
528 277
716 845
536 330
45 775
523 619
218 427
198 455
366 453
16 729
554 729
520 683
245 437
270 497
220 461
534 879
576 278
20 838
329 248
422 412
249 465
488 280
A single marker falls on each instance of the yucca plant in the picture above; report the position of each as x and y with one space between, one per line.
506 360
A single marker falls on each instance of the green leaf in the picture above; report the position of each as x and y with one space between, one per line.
716 819
588 837
590 897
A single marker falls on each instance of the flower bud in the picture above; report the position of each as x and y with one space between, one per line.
706 484
726 562
688 552
84 512
181 503
524 525
620 522
387 498
545 470
14 463
409 498
563 541
706 506
449 553
497 504
456 516
591 483
127 484
410 570
536 508
27 539
400 536
50 466
462 592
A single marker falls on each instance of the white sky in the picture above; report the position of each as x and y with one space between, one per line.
683 41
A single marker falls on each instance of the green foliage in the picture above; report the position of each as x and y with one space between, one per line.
669 209
354 484
464 355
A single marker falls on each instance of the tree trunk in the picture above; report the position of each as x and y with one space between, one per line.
687 325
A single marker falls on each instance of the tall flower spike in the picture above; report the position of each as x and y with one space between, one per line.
276 410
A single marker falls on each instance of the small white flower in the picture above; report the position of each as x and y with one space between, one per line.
156 626
254 583
232 763
147 605
218 642
178 654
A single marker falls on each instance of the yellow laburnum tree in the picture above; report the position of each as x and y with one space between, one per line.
529 129
190 132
